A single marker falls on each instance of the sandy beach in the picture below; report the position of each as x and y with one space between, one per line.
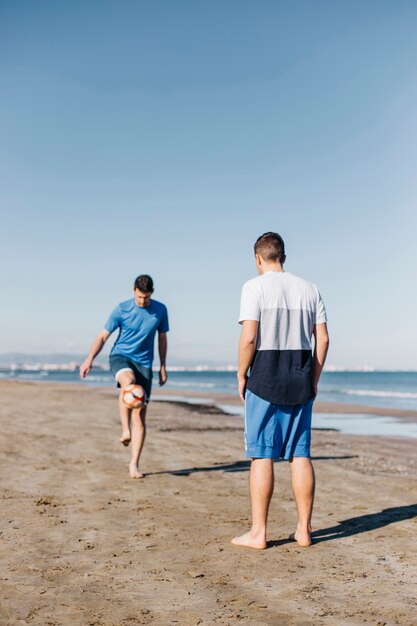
83 544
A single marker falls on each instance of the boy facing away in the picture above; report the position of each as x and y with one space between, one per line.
280 313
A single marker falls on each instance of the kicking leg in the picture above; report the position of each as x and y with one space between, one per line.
261 490
303 484
138 428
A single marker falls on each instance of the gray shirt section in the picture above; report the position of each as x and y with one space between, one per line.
285 329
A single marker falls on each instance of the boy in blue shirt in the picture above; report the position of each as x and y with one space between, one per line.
138 321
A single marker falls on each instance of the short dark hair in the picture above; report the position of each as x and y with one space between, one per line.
144 283
271 247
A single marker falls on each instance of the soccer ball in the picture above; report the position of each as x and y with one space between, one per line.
134 396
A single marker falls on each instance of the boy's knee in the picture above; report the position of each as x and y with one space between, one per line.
139 415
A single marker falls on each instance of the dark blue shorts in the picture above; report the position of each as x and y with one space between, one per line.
143 375
276 431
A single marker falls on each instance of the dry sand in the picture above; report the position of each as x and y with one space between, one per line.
83 544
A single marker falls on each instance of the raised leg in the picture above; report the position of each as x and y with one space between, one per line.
303 484
261 490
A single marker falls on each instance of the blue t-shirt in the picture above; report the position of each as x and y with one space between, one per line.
137 329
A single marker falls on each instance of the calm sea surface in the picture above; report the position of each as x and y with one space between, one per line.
380 389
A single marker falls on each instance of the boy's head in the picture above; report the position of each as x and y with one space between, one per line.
271 248
144 283
143 290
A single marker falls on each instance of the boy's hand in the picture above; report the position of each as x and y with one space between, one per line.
241 385
163 376
86 368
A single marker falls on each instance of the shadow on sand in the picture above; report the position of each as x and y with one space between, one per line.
364 523
357 525
238 466
344 528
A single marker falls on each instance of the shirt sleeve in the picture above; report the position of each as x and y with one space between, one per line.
114 320
250 308
321 315
164 324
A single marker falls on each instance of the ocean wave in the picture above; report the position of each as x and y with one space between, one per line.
30 376
199 385
378 394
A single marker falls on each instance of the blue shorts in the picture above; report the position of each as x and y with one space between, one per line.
143 375
276 431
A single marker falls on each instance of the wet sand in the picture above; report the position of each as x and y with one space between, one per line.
408 415
83 544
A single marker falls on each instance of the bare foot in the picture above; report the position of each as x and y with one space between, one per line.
125 438
250 540
302 538
134 472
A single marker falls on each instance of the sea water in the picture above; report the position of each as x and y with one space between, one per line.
392 390
397 390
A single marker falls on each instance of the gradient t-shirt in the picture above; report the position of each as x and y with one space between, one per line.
287 308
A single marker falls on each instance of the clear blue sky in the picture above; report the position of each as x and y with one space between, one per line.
164 137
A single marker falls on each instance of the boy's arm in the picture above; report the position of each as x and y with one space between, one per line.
321 347
247 347
162 348
96 348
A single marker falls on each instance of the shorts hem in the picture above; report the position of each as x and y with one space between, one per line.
274 457
122 369
264 452
259 453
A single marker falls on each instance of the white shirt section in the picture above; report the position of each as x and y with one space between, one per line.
286 306
250 302
321 316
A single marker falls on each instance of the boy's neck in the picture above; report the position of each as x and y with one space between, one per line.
270 267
